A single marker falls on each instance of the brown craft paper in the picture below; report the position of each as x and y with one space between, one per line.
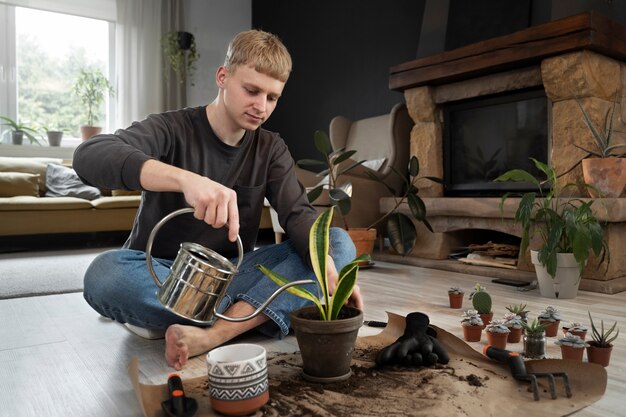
471 384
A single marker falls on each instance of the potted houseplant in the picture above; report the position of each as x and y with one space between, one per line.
551 318
603 169
55 136
497 333
514 323
19 130
568 229
455 296
181 54
577 329
600 347
326 332
472 325
572 347
534 339
519 310
481 301
91 87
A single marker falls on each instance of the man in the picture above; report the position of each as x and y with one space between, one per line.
218 160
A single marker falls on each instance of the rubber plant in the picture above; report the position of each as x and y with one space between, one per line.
565 225
328 306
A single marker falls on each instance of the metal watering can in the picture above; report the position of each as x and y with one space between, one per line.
198 279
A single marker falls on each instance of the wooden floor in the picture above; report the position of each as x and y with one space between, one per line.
59 358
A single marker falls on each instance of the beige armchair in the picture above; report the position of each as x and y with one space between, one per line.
383 141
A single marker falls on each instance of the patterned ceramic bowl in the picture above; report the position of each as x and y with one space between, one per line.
238 382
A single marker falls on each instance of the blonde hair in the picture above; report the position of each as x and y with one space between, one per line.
262 50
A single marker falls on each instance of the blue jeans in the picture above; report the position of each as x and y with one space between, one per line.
119 286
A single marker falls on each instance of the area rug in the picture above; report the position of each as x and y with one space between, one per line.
26 274
470 385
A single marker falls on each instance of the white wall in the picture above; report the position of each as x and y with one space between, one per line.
213 23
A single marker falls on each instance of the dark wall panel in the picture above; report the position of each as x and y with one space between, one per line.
342 51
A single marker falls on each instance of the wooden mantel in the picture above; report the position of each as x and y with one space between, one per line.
590 30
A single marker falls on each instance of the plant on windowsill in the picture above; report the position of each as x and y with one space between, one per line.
91 87
601 345
326 352
19 130
181 54
568 229
603 169
55 135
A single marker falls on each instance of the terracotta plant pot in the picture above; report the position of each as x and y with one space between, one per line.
515 335
86 132
599 355
572 353
326 346
607 175
486 318
472 333
581 334
363 240
553 327
456 300
496 339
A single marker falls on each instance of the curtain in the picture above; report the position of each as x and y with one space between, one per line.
139 60
175 92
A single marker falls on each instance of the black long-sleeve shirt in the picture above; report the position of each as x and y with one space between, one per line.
261 166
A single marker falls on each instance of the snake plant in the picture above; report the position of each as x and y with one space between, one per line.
328 305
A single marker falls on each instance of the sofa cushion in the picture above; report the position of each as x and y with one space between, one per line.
29 165
129 201
43 203
119 193
18 183
63 181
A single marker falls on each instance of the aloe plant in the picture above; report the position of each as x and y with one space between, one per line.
564 225
601 136
28 131
535 327
328 306
601 337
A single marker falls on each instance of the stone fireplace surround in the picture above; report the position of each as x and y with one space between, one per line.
580 56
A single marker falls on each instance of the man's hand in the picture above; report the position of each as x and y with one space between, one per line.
213 203
355 300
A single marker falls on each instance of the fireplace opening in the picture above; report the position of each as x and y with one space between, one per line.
487 136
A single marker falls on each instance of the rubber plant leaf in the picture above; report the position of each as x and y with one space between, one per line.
340 199
313 194
401 232
414 167
310 162
343 156
322 143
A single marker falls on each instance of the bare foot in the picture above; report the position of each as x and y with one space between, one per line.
184 342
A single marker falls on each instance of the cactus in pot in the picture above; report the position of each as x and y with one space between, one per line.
481 301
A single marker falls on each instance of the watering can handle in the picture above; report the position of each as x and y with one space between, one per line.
158 226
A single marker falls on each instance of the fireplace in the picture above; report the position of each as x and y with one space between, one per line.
485 137
581 57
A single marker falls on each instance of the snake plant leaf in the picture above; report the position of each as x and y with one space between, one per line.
339 198
318 248
322 142
345 285
314 193
295 290
401 232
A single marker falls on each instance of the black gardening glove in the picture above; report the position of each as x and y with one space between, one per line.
417 346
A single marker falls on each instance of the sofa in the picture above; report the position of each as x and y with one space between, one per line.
26 207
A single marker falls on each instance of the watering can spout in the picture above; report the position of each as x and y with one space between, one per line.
198 280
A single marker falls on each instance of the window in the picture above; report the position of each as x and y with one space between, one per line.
43 53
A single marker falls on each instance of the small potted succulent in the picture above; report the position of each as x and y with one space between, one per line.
497 334
514 324
519 309
534 339
577 329
572 347
552 318
472 325
600 347
455 295
481 301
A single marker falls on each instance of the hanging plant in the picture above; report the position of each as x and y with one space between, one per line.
179 50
